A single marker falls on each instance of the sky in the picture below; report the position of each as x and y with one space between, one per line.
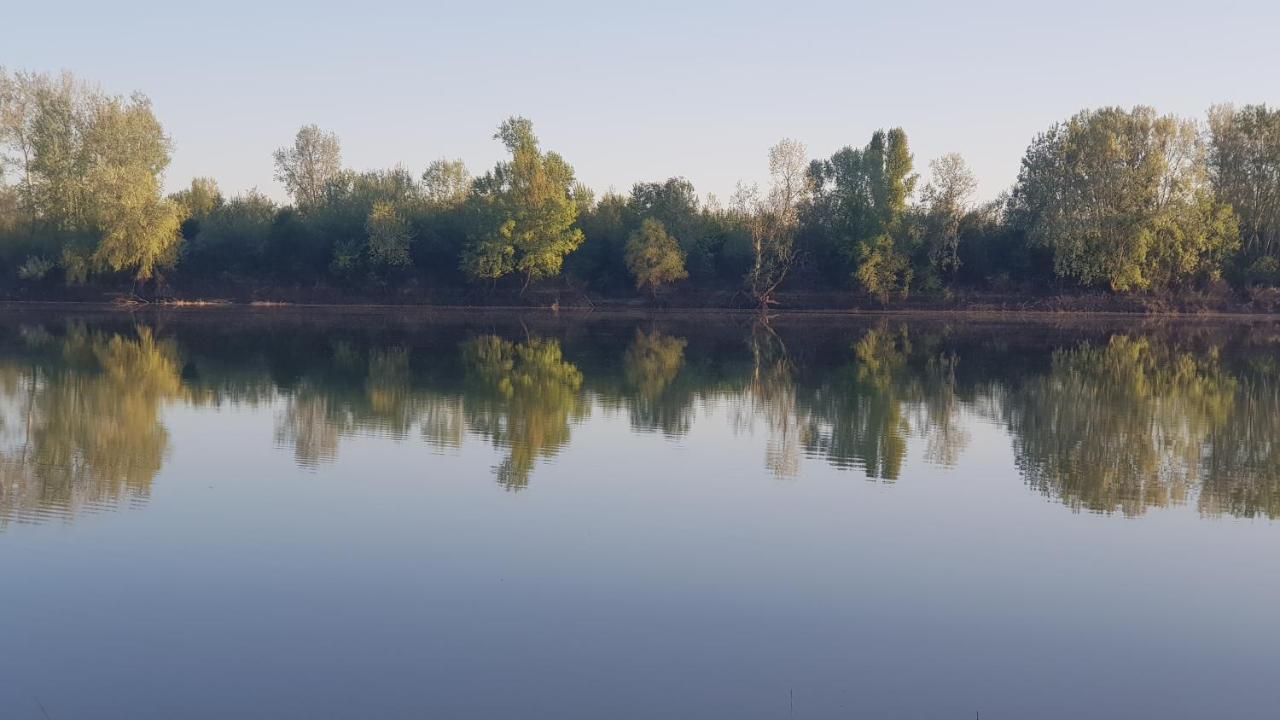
643 90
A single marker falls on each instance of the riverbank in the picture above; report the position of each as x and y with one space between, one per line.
1263 301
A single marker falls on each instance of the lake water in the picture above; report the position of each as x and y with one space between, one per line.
289 514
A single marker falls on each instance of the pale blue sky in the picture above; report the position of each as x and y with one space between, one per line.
643 90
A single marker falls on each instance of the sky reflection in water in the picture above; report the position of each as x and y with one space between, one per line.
472 515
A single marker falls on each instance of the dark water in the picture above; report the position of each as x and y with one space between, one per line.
285 515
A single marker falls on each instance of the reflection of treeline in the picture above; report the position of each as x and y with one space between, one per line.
1117 421
80 424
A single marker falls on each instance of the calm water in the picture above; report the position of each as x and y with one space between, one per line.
283 515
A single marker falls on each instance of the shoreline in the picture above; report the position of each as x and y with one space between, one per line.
622 311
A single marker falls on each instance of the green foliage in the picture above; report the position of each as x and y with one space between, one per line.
1244 167
307 167
35 268
446 183
859 211
340 220
1264 271
127 151
1120 197
91 170
606 227
528 211
882 269
654 257
527 395
389 238
946 203
1127 200
197 203
232 239
674 203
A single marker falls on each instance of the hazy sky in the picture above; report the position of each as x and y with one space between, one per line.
643 90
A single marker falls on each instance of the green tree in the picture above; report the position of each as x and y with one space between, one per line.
858 216
1244 167
653 257
233 239
341 220
674 203
882 268
1121 198
126 154
92 168
18 99
606 227
389 238
307 166
446 183
197 202
946 199
528 209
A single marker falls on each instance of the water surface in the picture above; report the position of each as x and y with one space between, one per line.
285 514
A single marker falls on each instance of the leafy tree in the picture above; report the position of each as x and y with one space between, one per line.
946 199
446 183
307 166
1244 167
341 219
389 238
1121 198
858 216
882 268
61 111
654 257
18 98
233 239
295 251
528 211
606 228
197 202
674 203
92 168
126 153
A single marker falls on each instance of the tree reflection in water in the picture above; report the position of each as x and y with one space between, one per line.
81 423
1109 422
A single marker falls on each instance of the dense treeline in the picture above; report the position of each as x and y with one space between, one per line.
1123 200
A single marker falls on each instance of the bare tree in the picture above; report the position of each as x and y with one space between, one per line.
774 220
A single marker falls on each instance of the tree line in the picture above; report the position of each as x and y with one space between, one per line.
1123 200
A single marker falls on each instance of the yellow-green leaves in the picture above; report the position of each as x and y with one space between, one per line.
389 237
654 257
1121 198
92 174
527 211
